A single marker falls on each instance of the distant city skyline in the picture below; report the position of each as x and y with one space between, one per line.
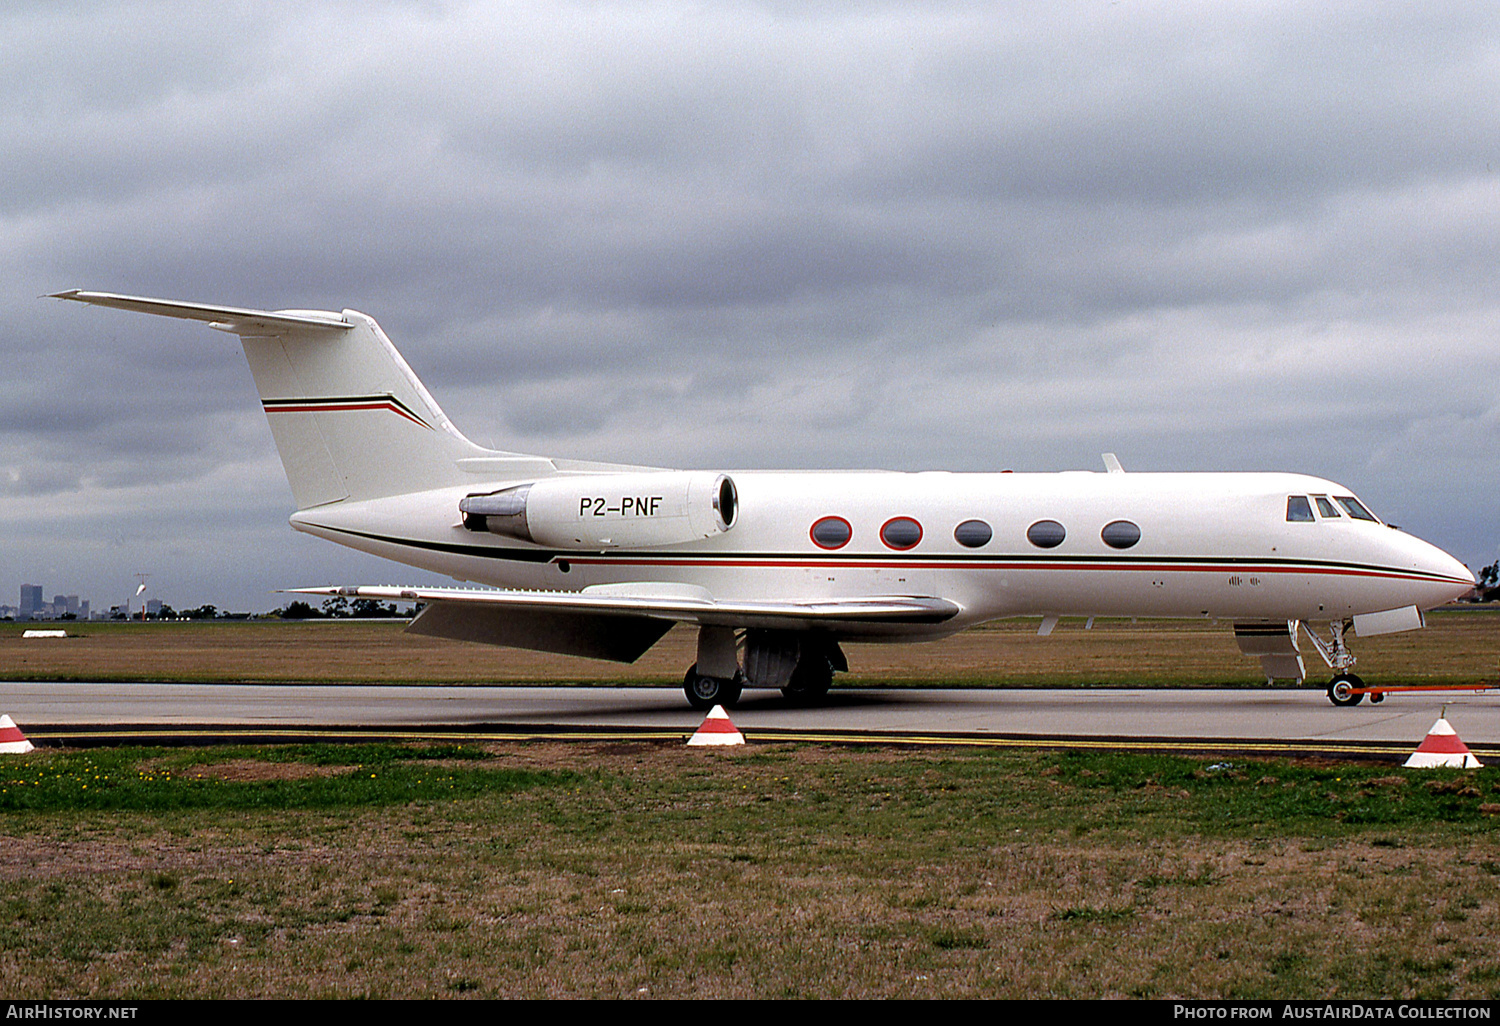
33 606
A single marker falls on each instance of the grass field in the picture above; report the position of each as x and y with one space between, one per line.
617 870
1458 646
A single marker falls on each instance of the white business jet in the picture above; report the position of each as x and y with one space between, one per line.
776 568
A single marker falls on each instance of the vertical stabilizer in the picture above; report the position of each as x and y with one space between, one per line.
350 419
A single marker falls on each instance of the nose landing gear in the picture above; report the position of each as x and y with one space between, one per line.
1348 689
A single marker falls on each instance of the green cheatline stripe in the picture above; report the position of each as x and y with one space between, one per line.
1180 746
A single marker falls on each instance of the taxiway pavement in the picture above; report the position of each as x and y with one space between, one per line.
1281 715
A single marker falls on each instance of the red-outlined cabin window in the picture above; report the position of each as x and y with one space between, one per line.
901 533
831 533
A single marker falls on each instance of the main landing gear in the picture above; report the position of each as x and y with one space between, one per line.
811 679
705 692
800 663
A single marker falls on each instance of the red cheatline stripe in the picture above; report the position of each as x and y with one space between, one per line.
918 564
1443 744
311 406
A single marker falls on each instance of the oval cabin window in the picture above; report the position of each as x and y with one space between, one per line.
901 533
831 533
1121 534
971 534
1046 534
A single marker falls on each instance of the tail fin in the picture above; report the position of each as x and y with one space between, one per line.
351 420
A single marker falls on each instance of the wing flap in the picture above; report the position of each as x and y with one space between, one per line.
680 604
620 622
618 638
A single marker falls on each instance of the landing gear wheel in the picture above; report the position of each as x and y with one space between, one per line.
810 680
703 692
1343 690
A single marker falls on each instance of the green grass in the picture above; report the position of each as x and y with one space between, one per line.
1234 797
537 870
147 780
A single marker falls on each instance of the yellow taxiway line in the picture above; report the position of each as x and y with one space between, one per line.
205 734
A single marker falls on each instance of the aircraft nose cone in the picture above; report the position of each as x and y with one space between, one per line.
1467 575
1455 579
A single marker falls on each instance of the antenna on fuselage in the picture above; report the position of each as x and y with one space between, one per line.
1112 463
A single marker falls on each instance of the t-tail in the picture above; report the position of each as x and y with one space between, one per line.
351 420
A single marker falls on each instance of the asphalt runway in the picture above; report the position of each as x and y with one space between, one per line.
1283 719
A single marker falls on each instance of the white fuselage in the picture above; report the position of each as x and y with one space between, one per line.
776 568
1210 545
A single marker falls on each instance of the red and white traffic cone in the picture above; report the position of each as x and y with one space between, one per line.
11 738
1442 747
717 730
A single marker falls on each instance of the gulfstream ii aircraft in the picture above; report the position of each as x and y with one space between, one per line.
776 569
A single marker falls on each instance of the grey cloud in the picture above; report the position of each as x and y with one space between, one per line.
956 235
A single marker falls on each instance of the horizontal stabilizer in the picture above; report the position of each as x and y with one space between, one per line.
225 318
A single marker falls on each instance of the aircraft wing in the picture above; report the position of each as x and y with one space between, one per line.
621 621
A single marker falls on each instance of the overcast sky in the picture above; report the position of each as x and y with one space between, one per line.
1226 236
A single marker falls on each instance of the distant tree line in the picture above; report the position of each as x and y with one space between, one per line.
203 612
335 608
1489 582
339 607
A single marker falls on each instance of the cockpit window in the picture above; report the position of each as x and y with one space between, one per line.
1298 509
1354 509
1325 508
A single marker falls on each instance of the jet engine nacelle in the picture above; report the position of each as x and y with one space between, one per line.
608 511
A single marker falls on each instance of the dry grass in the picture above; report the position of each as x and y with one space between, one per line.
1457 647
783 871
243 770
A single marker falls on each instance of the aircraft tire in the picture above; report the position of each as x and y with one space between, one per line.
810 680
1341 690
704 692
